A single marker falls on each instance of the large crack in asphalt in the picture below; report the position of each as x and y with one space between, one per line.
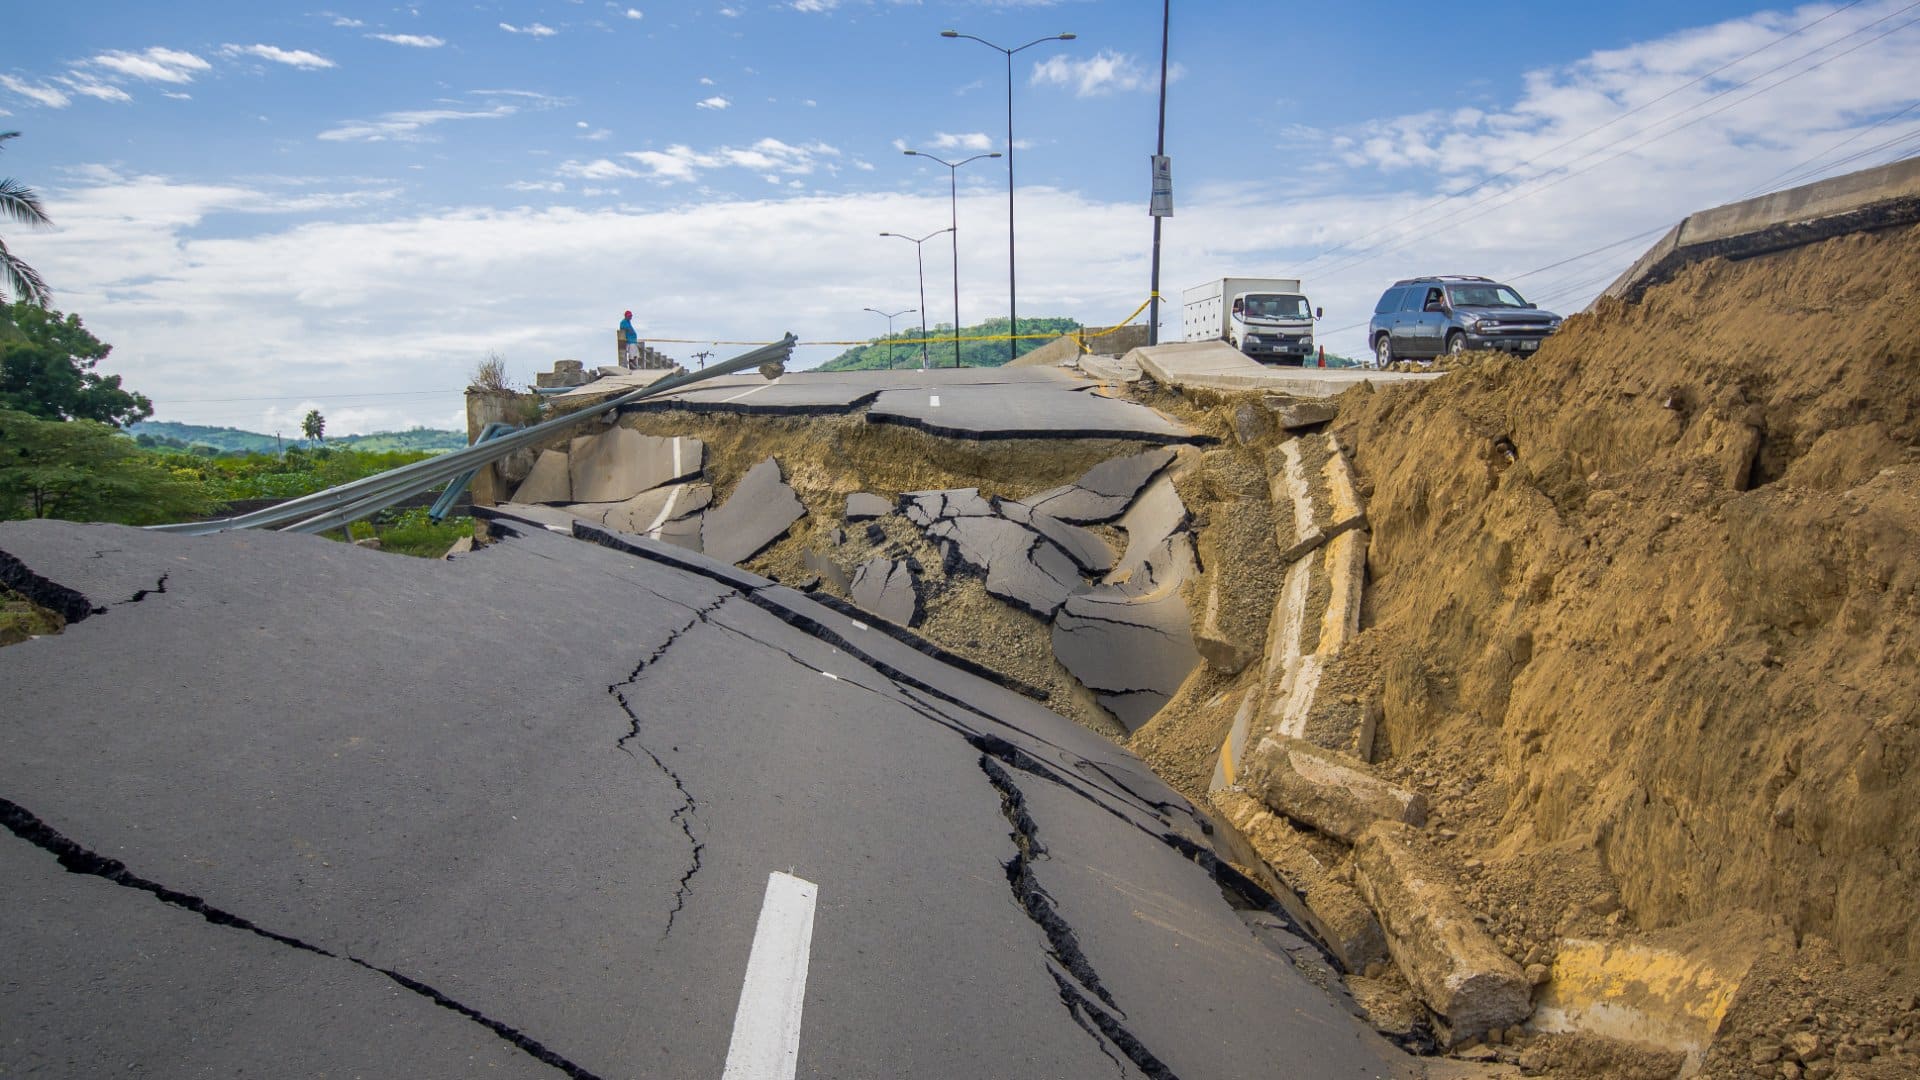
75 858
67 603
1073 974
689 805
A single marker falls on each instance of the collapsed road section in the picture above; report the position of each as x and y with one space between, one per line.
513 812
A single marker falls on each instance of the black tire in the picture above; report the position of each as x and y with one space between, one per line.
1383 351
1456 343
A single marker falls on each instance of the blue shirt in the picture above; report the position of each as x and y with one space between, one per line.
626 330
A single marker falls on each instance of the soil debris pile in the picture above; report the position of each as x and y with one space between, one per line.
1643 611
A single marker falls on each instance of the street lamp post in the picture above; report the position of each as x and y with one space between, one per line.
889 318
922 264
1013 292
953 213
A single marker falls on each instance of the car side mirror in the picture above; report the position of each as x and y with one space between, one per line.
1318 312
1436 305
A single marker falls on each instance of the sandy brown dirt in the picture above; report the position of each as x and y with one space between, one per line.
1642 620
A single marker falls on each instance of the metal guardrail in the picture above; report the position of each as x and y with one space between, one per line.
444 504
338 506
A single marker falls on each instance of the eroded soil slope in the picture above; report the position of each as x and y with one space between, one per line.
1644 610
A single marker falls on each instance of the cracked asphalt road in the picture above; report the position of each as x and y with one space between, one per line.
304 808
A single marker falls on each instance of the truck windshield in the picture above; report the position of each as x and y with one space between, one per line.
1277 307
1485 296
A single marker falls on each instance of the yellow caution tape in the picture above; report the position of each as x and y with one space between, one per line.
1081 334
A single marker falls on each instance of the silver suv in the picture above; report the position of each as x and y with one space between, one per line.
1420 318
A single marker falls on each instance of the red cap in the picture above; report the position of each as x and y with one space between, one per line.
628 315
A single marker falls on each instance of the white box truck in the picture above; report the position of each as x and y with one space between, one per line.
1266 318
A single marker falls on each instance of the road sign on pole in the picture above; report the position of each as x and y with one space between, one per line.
1162 205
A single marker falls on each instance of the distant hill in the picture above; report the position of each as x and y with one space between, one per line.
160 433
940 353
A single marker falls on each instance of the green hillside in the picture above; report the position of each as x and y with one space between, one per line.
940 353
164 435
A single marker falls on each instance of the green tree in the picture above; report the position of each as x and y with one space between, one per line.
314 426
19 203
47 363
82 470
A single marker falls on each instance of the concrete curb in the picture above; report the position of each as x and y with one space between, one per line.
1876 198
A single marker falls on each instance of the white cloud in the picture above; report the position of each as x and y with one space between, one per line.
298 58
418 41
705 81
82 83
731 13
974 141
596 135
531 29
176 95
1106 72
598 169
596 192
815 5
39 94
409 125
342 20
633 13
714 102
770 156
156 64
537 185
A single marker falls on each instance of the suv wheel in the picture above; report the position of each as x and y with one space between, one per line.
1383 351
1456 343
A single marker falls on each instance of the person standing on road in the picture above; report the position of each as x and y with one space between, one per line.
630 341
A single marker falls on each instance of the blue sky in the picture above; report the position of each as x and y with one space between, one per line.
267 209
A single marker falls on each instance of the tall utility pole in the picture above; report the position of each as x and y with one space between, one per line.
922 264
1159 161
1013 288
953 213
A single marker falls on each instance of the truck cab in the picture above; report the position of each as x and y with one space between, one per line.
1272 326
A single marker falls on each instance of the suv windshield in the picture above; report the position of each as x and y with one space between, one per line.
1276 307
1485 296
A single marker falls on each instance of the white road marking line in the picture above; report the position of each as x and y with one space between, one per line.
933 401
766 1025
746 393
673 499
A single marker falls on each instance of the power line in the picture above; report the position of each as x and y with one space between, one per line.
303 396
1510 170
1793 170
1446 223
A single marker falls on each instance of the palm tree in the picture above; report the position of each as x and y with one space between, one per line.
19 203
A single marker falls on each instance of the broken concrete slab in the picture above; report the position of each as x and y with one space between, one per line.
1054 410
1295 415
649 510
861 506
887 588
462 546
758 512
1451 963
1083 546
923 508
1019 565
549 481
1132 652
829 570
683 532
1224 650
1342 920
619 463
1326 790
1106 490
1156 515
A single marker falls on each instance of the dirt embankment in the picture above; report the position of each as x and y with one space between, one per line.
1644 611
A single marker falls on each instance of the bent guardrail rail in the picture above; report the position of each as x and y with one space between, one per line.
337 506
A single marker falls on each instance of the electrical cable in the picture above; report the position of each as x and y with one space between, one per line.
1510 170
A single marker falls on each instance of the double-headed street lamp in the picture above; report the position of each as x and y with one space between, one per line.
890 317
922 263
1013 305
953 212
